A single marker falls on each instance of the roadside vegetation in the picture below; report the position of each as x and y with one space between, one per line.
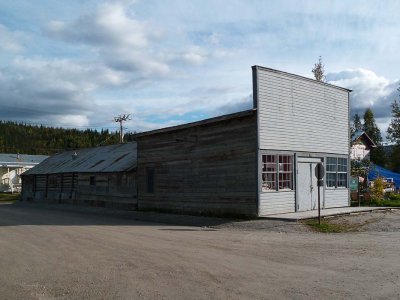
392 200
8 197
328 227
345 223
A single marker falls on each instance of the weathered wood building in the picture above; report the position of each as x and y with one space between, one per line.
206 167
254 163
258 162
102 176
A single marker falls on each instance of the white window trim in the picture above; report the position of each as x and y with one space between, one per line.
277 190
336 187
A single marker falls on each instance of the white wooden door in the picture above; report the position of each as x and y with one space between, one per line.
307 195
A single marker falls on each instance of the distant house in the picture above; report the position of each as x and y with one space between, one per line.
100 176
361 145
12 166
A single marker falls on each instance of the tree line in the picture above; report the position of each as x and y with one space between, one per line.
32 139
378 155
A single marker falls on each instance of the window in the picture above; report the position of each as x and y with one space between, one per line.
342 172
268 173
52 181
92 180
150 180
277 172
336 172
285 172
331 163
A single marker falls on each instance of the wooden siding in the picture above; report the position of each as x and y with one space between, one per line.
297 114
204 169
336 198
277 202
117 190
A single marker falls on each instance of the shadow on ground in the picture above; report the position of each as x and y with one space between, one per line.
25 213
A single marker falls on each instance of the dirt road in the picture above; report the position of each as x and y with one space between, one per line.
54 254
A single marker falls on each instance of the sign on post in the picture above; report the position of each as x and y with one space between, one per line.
354 184
319 173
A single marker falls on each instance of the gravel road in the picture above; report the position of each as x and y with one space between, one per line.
58 254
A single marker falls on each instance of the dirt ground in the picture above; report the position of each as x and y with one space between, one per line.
377 221
48 253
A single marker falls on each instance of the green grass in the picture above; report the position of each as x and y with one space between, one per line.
386 202
7 197
327 227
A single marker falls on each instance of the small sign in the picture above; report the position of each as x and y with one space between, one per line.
354 184
319 171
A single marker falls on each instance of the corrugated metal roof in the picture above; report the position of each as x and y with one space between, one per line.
7 159
113 158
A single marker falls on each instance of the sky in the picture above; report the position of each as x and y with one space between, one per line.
78 64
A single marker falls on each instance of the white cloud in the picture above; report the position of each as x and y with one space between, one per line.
11 41
67 120
43 91
168 63
195 55
121 41
369 91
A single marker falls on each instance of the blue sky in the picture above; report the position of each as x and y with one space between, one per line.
80 63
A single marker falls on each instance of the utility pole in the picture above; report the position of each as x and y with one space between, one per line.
120 119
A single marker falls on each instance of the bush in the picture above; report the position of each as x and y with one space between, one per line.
394 197
377 189
387 203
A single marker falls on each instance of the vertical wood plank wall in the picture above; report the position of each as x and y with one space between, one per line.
206 169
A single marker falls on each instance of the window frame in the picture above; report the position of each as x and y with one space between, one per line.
278 171
340 169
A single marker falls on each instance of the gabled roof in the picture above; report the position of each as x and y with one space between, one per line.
363 135
20 160
104 159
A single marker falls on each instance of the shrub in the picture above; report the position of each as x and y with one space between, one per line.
394 197
377 189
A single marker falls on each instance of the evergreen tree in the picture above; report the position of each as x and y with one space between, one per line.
357 125
29 139
393 134
378 155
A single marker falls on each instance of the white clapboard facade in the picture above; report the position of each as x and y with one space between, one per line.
300 122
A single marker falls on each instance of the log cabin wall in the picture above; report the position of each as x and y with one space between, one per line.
208 169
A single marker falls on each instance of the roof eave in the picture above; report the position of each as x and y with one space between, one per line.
197 123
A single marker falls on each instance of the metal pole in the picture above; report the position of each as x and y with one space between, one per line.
319 203
121 137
